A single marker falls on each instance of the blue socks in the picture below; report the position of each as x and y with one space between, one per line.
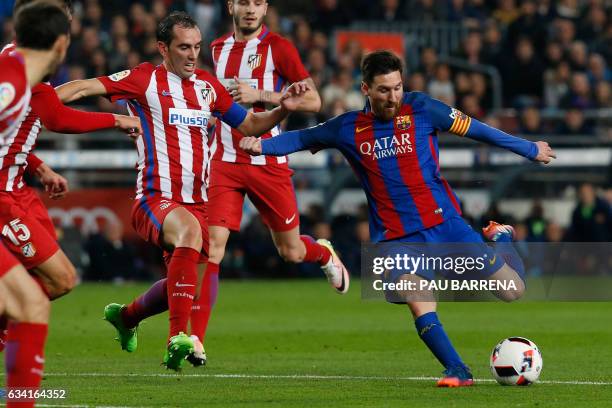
431 332
506 250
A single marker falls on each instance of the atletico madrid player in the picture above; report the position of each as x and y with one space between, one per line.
42 38
392 146
255 64
175 101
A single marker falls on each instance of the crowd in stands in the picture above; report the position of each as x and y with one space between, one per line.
550 54
553 57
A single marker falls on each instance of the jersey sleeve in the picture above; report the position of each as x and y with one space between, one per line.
287 61
58 117
224 106
452 120
324 135
127 84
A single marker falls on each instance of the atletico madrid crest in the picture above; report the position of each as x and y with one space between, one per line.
206 95
403 122
28 250
254 61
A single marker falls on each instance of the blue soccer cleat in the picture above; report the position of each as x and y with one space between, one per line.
456 377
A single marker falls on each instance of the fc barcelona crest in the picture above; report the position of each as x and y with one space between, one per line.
254 61
403 122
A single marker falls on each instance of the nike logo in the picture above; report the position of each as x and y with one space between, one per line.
492 261
39 359
166 93
289 220
361 129
182 285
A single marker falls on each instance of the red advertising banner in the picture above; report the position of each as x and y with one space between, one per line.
91 209
372 41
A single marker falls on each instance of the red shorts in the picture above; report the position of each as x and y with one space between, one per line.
27 230
149 213
268 187
7 260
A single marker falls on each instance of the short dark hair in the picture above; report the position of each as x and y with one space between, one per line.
20 3
379 62
39 24
165 27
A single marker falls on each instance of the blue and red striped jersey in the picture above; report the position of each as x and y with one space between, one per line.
396 161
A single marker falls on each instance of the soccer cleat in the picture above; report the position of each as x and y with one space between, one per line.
493 231
456 377
197 357
336 272
127 337
179 347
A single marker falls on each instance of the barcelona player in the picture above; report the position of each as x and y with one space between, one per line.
393 149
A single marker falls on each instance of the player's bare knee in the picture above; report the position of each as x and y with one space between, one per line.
34 308
512 294
66 282
216 252
190 237
290 253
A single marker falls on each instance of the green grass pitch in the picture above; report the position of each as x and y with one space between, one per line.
296 343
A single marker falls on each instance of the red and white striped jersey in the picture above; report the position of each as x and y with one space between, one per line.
268 62
15 95
173 151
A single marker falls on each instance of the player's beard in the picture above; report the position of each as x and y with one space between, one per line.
248 30
385 115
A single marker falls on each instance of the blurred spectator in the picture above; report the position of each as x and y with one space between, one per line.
579 95
111 257
523 77
574 123
330 15
553 233
389 10
530 121
556 84
425 11
441 87
342 87
578 56
598 71
603 96
428 62
506 12
416 82
591 219
536 223
530 24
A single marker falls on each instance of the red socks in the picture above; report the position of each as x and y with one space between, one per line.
315 252
181 287
3 332
202 307
25 357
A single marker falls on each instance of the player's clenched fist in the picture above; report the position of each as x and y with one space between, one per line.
129 124
545 153
251 145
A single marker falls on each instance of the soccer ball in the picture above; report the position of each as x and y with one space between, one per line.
516 361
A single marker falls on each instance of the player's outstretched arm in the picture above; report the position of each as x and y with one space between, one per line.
256 124
449 119
317 137
82 88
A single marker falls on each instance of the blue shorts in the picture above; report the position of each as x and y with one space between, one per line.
454 241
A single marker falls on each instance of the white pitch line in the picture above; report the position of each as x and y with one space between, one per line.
300 377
